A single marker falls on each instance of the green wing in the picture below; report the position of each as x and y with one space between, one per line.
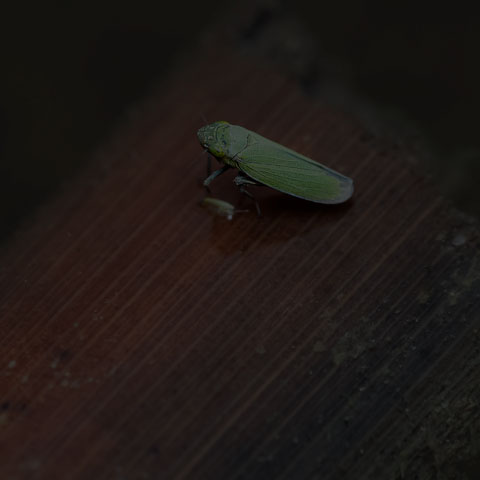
289 172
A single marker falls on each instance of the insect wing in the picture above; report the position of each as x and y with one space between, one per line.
289 172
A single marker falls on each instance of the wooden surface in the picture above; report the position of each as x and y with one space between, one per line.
144 338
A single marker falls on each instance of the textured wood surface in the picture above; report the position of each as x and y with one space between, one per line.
144 338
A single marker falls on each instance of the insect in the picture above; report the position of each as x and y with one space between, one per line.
263 162
220 207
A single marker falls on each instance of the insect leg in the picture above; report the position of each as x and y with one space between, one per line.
241 181
213 176
248 194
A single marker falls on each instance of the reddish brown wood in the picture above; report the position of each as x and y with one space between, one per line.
143 338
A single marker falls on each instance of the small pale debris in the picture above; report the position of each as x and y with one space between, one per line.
218 207
260 349
12 364
459 239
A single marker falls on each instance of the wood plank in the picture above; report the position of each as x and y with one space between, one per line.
143 338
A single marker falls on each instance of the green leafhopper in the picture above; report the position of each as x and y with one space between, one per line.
220 207
264 162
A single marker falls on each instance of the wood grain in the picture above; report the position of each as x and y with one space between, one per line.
143 338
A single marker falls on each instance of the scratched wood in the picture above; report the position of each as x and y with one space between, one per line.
144 338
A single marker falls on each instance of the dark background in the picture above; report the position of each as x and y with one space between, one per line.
71 72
